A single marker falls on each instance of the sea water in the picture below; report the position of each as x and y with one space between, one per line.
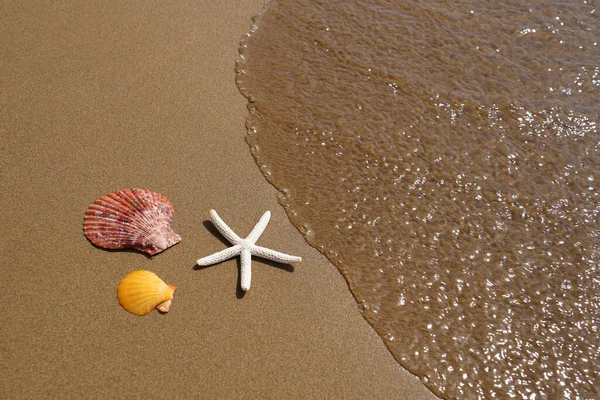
445 157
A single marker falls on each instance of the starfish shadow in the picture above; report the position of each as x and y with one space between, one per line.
213 230
283 266
239 293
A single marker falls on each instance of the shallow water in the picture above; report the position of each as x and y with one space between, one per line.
445 155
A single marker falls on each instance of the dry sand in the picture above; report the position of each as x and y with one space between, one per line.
101 96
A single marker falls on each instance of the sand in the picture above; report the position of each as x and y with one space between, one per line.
101 96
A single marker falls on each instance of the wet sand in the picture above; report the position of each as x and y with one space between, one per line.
103 96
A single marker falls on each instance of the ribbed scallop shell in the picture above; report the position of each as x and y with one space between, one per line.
141 291
134 218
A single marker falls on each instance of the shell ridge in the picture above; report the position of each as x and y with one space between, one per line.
107 207
113 201
132 198
141 198
123 233
128 197
118 202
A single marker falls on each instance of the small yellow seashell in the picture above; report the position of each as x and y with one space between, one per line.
141 291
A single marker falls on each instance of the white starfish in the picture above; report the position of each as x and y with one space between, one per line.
245 248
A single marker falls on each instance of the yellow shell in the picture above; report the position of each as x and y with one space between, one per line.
141 291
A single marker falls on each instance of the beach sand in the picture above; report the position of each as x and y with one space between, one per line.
101 96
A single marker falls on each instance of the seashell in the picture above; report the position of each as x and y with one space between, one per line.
142 291
135 218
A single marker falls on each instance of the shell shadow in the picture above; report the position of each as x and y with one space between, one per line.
129 250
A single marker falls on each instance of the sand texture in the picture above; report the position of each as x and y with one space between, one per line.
101 96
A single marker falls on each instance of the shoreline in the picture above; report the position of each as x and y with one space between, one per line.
117 96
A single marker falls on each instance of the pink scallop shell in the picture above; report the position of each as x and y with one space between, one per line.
135 218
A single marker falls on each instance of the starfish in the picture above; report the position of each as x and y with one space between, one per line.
245 248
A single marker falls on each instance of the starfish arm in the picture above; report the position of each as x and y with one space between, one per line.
224 229
259 228
245 269
220 256
274 255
